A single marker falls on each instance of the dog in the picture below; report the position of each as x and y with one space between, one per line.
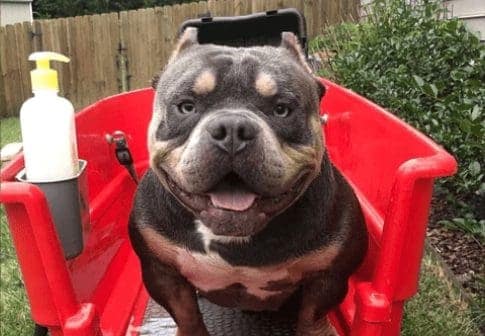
241 203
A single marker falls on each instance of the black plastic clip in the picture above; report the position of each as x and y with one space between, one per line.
122 152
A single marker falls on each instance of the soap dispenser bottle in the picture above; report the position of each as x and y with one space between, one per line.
47 125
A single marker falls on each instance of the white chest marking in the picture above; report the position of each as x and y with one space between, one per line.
208 236
209 272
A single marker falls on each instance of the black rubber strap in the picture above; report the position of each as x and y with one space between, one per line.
122 152
40 330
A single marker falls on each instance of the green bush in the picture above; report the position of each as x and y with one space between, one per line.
430 71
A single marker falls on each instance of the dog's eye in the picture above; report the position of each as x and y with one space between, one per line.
281 110
186 107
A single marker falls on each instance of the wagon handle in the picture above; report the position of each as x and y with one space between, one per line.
412 179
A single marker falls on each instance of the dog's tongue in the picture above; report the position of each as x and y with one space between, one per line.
236 200
232 194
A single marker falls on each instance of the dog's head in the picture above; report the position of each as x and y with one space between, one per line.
235 134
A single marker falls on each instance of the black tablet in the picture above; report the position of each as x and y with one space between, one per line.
263 28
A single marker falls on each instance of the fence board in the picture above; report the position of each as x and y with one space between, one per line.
114 52
168 33
23 51
242 7
160 37
3 74
66 82
212 7
105 49
319 17
154 36
127 23
81 60
140 72
114 35
202 8
228 7
138 49
37 41
11 67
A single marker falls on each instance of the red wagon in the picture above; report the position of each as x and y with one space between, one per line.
391 166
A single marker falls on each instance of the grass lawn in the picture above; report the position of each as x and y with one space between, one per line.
9 130
435 310
14 310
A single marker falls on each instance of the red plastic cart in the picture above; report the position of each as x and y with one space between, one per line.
391 166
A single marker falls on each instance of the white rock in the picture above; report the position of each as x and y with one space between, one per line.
10 150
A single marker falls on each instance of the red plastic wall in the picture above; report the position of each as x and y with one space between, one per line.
391 166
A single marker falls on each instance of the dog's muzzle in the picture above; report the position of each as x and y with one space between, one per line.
231 133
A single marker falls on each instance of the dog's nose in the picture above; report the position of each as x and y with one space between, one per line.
232 133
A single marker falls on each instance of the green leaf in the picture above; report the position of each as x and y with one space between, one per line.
481 190
429 72
475 112
464 125
418 80
430 90
474 168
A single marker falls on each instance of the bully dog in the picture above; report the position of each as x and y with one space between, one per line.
241 203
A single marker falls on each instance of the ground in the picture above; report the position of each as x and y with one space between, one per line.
436 310
462 251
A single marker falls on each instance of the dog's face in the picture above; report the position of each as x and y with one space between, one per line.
235 134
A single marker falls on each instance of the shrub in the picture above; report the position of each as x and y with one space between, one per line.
430 71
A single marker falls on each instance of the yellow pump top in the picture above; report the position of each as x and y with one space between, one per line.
43 77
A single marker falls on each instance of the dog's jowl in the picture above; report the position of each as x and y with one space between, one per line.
241 204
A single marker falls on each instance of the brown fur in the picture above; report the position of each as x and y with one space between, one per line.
204 83
265 85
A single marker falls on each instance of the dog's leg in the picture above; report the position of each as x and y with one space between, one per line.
170 290
320 294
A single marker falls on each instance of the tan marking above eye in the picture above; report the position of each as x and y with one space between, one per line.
265 85
204 83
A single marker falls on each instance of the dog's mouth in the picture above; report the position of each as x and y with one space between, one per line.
232 194
232 207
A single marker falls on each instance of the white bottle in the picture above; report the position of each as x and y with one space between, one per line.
47 125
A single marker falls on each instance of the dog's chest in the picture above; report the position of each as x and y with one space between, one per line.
209 272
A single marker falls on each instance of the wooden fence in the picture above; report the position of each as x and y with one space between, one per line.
117 52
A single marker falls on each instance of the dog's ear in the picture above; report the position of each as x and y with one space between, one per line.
320 88
290 42
154 81
186 40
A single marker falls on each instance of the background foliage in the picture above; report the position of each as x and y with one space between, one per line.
46 9
429 71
